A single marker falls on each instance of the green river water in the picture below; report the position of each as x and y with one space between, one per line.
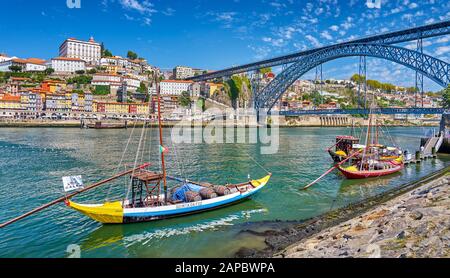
32 162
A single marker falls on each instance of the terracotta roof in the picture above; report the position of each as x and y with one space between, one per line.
20 61
177 81
11 98
30 61
68 59
122 103
20 79
36 61
106 74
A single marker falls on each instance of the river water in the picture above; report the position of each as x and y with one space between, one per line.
32 162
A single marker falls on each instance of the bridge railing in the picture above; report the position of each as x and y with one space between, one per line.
386 111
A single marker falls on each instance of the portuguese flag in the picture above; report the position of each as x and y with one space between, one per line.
163 149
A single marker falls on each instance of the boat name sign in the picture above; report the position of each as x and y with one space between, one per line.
188 205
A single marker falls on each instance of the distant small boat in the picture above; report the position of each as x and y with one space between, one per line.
100 125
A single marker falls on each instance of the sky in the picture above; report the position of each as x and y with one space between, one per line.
216 34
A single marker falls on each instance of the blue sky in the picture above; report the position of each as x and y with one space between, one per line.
214 34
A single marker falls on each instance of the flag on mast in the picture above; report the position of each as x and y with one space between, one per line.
163 149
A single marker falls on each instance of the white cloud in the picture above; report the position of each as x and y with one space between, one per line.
169 12
140 6
334 28
326 35
443 39
314 41
442 50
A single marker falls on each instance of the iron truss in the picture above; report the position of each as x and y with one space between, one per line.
435 69
385 111
432 30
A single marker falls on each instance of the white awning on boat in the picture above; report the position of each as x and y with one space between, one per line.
358 146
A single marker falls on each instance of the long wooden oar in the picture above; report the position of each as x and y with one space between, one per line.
62 199
329 171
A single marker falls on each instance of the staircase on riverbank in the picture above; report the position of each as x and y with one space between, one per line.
433 142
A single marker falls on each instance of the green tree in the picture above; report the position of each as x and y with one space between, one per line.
142 88
238 87
446 98
107 53
411 90
185 99
92 71
15 68
80 79
49 71
102 90
132 55
265 70
358 78
80 72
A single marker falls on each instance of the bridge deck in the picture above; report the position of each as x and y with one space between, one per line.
386 111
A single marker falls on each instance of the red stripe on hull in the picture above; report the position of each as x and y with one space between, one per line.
369 174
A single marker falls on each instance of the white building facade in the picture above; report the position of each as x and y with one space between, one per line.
115 81
67 65
26 65
89 51
181 72
175 87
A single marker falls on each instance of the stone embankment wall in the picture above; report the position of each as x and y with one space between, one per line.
414 225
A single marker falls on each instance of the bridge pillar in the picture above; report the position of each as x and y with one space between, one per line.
419 76
362 73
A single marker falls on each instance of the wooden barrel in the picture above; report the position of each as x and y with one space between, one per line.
208 193
222 190
192 196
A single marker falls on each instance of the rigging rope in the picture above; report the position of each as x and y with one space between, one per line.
268 172
121 159
135 162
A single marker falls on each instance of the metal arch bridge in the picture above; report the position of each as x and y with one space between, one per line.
376 46
384 111
435 69
416 33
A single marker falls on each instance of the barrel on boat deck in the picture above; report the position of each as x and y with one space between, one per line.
207 193
192 196
222 190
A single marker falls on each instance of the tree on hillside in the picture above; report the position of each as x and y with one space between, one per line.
265 70
358 78
411 90
446 98
49 71
185 99
142 88
107 53
132 55
102 90
15 68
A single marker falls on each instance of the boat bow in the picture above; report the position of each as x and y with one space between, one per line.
104 213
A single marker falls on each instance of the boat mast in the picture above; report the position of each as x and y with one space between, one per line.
377 131
367 141
163 165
